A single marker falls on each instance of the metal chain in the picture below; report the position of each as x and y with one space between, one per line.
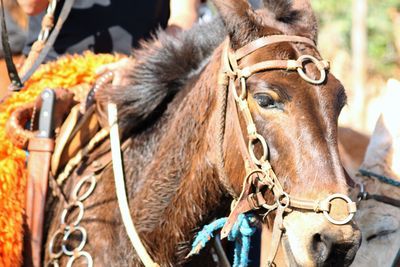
69 228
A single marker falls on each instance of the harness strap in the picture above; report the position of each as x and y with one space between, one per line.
36 60
276 235
11 69
268 40
380 198
381 178
364 195
121 191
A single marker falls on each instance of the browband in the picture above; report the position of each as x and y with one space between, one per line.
267 40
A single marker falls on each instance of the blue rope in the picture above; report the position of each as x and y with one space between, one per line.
241 233
381 178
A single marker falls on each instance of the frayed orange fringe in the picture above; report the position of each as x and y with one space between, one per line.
66 72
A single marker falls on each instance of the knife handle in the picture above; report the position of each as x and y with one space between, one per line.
46 114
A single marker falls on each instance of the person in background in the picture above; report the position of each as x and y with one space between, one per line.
106 26
16 22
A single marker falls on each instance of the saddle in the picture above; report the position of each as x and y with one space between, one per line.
77 120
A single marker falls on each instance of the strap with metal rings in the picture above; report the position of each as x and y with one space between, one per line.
67 229
321 65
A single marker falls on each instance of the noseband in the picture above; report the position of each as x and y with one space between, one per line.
259 173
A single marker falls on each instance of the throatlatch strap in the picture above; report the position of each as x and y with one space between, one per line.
11 69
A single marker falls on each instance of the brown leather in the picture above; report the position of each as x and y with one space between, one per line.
268 40
15 126
40 150
243 205
269 65
277 231
383 199
75 133
37 47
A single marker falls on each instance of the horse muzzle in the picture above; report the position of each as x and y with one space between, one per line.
310 240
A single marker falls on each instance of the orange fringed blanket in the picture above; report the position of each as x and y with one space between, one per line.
66 72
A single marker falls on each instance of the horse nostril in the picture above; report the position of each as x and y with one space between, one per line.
321 246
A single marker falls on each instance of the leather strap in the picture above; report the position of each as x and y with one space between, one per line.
269 65
276 235
50 41
268 40
15 126
121 191
40 150
11 69
383 199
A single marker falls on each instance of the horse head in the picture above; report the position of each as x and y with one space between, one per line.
290 118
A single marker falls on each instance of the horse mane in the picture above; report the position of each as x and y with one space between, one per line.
161 68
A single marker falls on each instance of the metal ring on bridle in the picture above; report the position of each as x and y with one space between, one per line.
305 58
81 244
242 85
55 255
269 182
89 259
53 263
348 201
88 179
70 208
362 194
281 197
263 158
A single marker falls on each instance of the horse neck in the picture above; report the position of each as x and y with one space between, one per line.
181 191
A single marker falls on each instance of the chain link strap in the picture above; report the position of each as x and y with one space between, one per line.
70 227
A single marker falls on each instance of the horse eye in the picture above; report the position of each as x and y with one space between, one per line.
265 101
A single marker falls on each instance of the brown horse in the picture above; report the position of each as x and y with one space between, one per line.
170 115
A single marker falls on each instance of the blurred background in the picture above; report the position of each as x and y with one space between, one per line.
361 39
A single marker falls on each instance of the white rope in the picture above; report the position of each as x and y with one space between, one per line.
120 188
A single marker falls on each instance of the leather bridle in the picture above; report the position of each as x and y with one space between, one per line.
260 176
364 195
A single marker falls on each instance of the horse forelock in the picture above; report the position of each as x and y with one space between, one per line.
161 68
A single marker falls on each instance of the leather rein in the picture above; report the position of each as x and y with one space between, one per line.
259 173
364 195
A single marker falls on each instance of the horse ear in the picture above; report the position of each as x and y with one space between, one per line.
297 13
240 20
